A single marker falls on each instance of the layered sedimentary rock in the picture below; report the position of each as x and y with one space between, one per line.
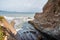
5 34
49 20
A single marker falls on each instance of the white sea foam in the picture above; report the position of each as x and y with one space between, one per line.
18 21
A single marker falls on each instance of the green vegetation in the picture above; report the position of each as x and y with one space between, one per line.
1 30
1 17
1 34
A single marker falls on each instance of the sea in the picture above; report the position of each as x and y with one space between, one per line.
19 18
17 14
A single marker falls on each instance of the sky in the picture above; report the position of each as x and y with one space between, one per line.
22 5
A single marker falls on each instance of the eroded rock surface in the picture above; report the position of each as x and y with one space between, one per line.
49 20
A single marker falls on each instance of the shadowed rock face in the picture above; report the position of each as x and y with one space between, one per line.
49 20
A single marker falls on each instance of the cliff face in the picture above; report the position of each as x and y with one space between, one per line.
50 15
49 20
5 32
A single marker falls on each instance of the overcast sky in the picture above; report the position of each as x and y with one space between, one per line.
22 5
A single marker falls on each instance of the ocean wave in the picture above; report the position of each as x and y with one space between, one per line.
18 21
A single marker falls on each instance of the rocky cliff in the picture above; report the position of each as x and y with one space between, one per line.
5 33
49 20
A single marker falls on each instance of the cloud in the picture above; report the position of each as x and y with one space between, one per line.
22 5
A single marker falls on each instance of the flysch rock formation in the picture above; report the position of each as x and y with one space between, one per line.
49 20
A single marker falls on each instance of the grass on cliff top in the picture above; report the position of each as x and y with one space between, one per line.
1 30
1 17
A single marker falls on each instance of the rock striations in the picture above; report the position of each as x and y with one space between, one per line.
49 20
